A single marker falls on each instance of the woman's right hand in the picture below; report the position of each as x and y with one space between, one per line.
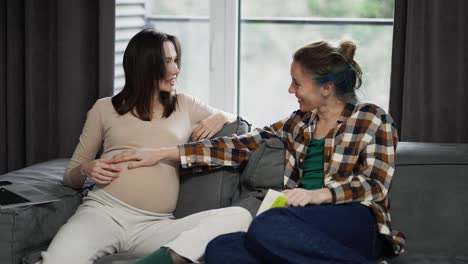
100 171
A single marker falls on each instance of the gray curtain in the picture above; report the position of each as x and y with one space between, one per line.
56 59
429 92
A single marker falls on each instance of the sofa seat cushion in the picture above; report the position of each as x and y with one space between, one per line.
24 229
427 259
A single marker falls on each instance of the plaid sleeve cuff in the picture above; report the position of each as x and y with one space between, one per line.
337 193
187 160
196 154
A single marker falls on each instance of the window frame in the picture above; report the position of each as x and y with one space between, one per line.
224 43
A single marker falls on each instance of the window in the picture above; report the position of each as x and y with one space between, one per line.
207 31
237 54
189 20
129 19
271 30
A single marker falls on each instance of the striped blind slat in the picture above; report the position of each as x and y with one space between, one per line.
129 19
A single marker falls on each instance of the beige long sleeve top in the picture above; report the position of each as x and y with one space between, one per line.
154 188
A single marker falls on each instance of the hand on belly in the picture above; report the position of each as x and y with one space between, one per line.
143 177
150 188
101 171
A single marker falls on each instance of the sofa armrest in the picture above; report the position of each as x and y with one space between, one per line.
27 228
429 202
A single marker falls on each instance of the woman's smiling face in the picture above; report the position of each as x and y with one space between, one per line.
168 84
307 91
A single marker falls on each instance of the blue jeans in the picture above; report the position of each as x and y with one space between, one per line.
312 234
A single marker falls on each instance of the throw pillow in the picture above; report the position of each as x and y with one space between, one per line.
204 188
263 171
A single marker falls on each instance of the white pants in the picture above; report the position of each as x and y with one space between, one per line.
104 225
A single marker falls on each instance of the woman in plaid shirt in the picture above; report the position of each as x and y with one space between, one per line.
339 165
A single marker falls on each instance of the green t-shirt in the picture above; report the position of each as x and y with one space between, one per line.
312 177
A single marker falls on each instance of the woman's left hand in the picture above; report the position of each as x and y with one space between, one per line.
302 197
146 157
138 157
208 127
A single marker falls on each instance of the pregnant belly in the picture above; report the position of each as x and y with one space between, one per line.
153 189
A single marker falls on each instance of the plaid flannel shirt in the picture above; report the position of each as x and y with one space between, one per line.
358 159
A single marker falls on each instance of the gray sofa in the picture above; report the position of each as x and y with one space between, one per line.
429 202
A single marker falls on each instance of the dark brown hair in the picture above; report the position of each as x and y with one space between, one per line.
144 66
327 63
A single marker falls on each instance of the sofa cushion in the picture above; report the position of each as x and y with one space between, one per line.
418 153
23 229
239 126
264 170
207 189
204 188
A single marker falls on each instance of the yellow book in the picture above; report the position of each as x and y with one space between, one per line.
272 199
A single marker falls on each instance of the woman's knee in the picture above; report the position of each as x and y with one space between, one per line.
243 215
224 240
238 215
262 226
217 248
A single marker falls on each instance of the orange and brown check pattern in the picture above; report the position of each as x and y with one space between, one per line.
359 157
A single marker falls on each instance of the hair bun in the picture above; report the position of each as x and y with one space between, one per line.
347 48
